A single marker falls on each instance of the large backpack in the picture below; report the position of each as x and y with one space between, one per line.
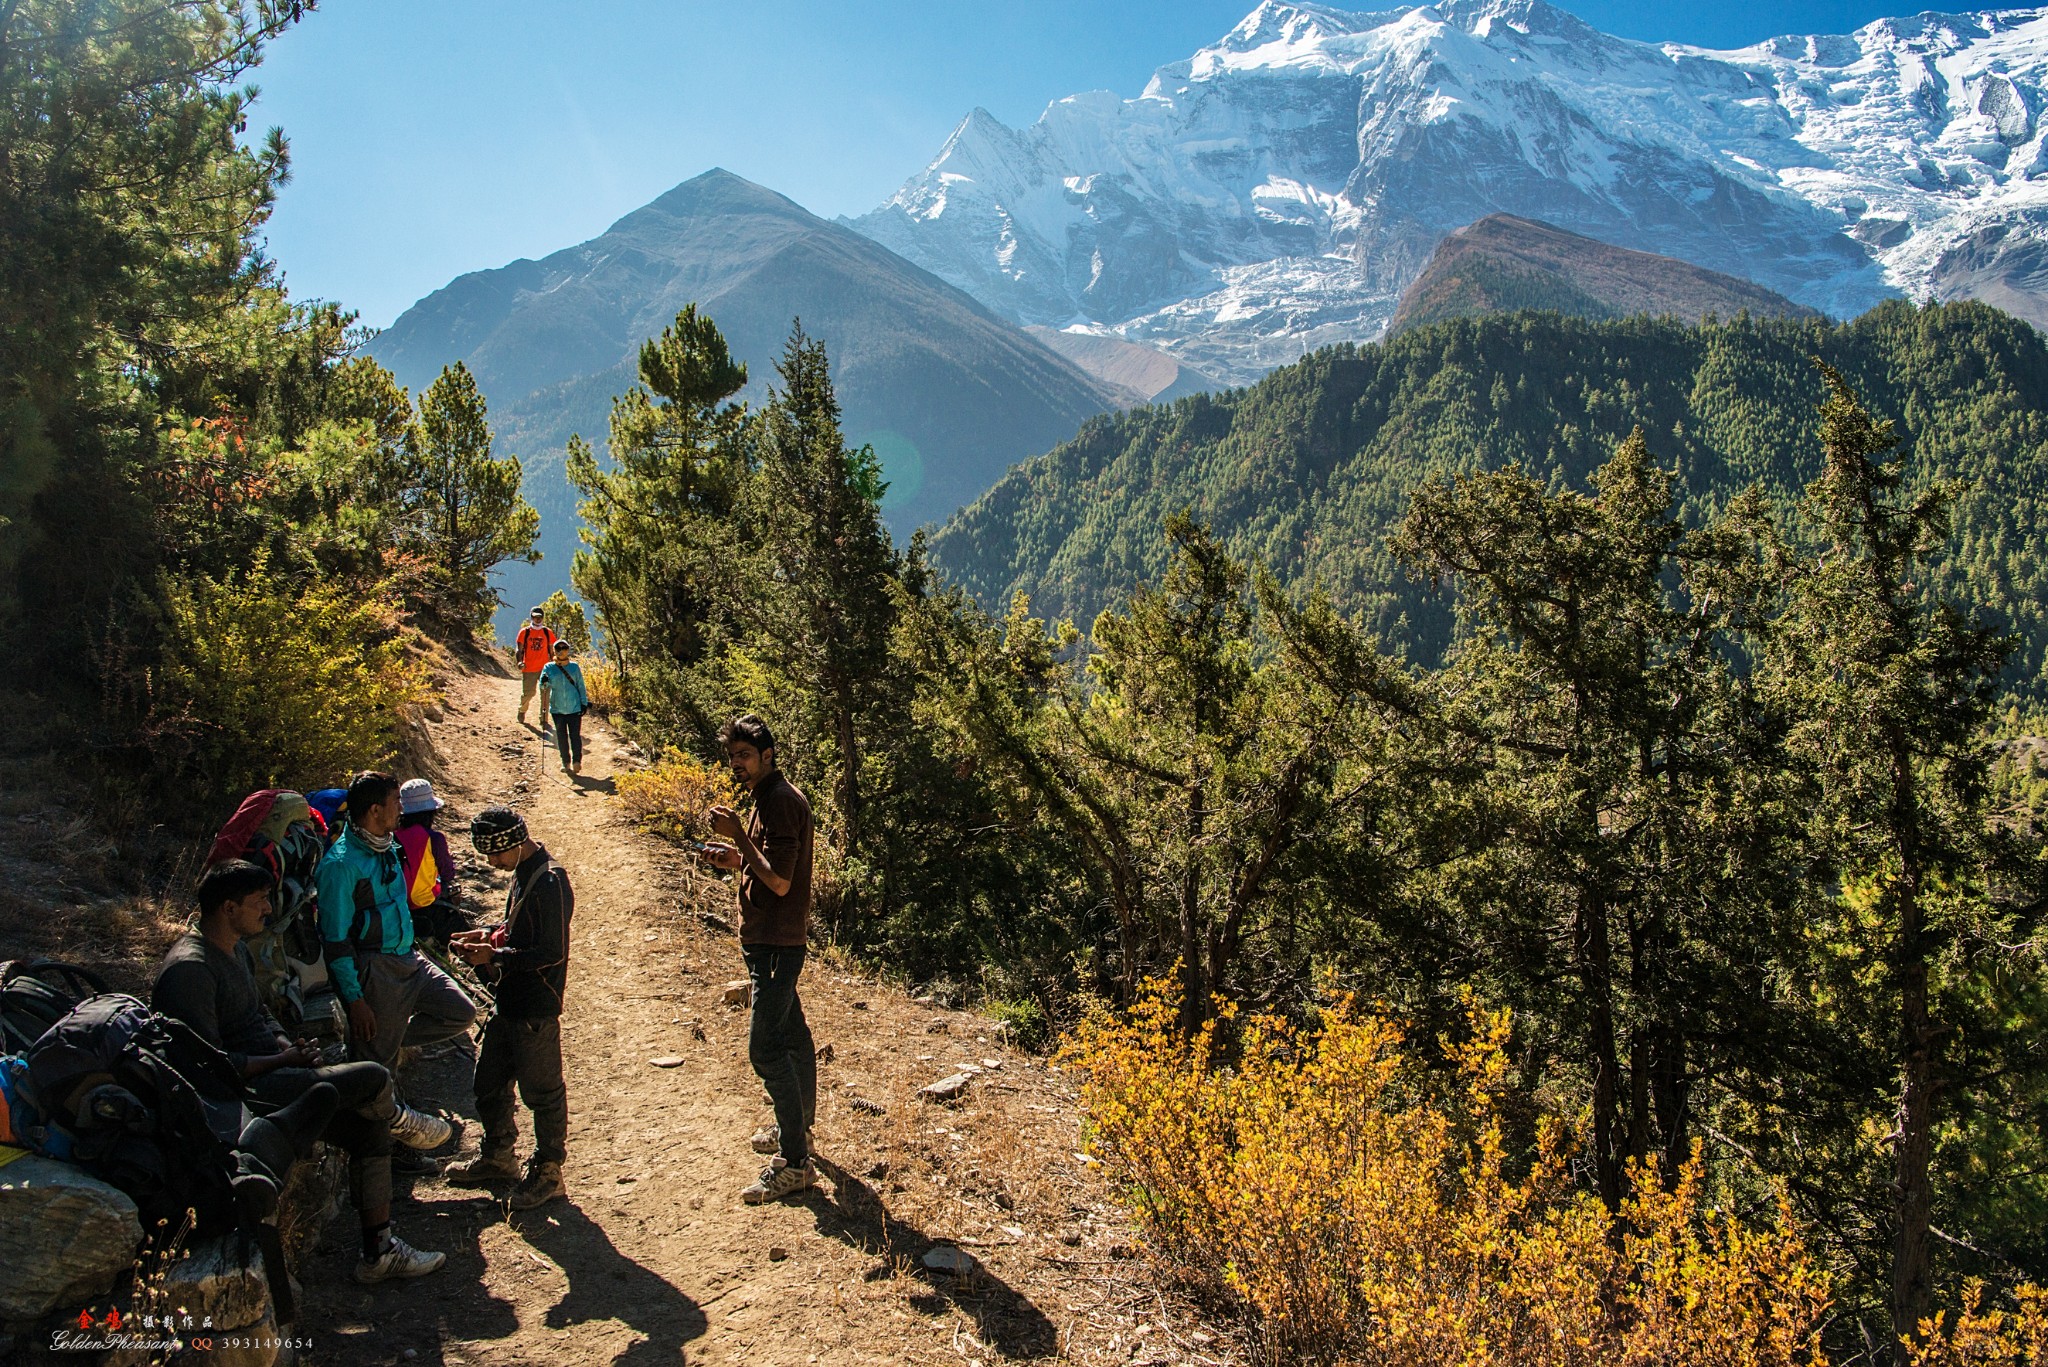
146 1104
279 830
37 993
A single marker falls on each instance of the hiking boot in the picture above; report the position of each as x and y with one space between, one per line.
768 1139
778 1180
418 1130
399 1259
412 1163
542 1184
483 1170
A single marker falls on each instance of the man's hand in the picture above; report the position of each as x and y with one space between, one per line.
473 947
300 1055
723 857
726 822
362 1021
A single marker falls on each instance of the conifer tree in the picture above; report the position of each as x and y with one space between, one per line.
1888 690
660 562
1627 845
468 515
825 591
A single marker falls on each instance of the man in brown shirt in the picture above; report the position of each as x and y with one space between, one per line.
772 854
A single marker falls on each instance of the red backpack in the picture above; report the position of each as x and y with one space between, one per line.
278 830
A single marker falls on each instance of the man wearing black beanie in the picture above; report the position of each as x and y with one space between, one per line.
526 960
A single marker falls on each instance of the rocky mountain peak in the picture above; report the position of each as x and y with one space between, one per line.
1280 188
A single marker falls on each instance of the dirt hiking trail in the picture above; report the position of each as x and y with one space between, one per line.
653 1257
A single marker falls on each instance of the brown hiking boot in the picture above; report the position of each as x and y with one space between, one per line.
542 1184
484 1169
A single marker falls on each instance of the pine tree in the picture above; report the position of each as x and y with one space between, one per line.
467 512
662 552
1627 842
1890 690
825 591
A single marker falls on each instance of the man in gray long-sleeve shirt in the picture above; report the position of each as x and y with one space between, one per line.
207 980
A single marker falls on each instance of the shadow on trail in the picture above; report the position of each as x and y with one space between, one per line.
604 1284
593 785
1004 1318
358 1326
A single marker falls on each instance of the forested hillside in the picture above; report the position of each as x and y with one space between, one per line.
1308 470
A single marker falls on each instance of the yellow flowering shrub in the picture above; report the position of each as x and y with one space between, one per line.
601 685
672 796
1979 1337
274 682
1366 1212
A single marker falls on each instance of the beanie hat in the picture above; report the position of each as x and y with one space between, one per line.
496 830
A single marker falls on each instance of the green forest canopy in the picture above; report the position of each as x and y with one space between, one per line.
1308 470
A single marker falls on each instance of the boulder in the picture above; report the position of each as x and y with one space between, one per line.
223 1289
739 992
65 1237
216 1281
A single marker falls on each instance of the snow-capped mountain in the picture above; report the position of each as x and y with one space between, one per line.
1277 190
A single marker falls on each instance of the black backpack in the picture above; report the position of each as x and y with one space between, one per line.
146 1104
37 993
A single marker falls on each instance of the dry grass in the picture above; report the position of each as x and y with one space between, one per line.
71 890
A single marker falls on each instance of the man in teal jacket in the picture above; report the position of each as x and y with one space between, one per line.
393 994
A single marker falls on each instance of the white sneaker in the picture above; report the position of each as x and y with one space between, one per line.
418 1130
399 1259
778 1180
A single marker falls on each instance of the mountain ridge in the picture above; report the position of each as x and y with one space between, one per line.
1277 190
949 395
1309 469
1502 263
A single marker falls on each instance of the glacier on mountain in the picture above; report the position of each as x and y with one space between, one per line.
1276 191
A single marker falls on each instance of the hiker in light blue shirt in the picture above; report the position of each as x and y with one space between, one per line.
564 698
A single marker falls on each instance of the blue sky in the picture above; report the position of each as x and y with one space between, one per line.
433 137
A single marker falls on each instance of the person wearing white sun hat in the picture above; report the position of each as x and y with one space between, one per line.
430 886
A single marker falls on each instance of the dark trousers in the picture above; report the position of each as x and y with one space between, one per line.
525 1051
361 1127
779 1045
569 736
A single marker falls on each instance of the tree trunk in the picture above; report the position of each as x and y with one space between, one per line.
1912 1190
1195 984
1596 978
847 797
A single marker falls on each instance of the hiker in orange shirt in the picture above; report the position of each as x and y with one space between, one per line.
535 648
